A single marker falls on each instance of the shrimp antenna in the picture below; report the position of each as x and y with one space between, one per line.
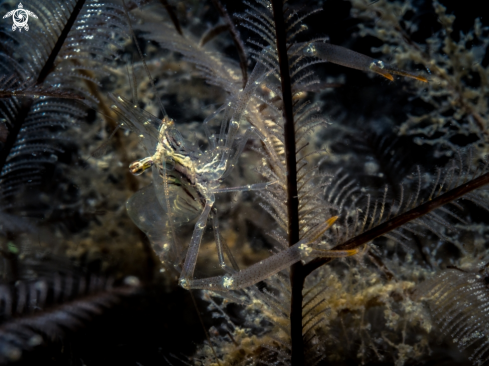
100 151
203 327
165 179
132 81
126 13
165 119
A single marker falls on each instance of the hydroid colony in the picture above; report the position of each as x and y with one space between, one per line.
349 225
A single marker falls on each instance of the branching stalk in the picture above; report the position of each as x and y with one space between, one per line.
402 219
296 277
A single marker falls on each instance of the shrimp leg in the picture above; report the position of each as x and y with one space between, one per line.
273 264
345 57
194 246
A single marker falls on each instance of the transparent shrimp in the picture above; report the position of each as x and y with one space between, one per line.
193 181
345 57
194 177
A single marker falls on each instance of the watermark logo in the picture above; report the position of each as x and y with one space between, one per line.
20 17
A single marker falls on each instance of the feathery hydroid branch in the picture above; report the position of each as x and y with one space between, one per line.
403 219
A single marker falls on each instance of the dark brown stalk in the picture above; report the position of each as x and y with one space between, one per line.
15 128
243 61
402 219
296 277
173 16
213 33
39 93
49 64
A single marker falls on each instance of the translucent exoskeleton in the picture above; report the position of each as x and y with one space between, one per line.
185 182
345 57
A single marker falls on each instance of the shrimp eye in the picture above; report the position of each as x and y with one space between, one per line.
136 168
139 166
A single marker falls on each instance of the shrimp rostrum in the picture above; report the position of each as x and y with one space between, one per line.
185 183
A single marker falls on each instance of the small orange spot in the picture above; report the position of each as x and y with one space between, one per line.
421 78
331 221
351 252
387 76
381 72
